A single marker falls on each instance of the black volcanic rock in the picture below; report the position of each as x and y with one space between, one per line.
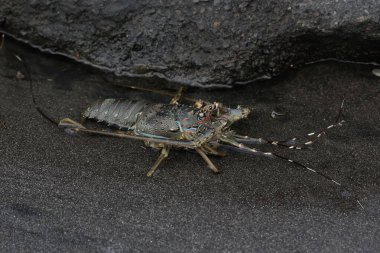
198 42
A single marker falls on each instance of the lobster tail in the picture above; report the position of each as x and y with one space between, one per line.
121 113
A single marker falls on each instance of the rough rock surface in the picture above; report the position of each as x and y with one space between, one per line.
198 42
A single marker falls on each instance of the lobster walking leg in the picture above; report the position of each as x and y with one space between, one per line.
163 155
72 126
67 123
177 96
210 164
213 151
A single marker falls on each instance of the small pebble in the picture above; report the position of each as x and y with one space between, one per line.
376 72
19 75
275 114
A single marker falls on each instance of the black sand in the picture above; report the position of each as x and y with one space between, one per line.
90 194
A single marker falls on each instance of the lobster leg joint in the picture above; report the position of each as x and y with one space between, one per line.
163 155
210 164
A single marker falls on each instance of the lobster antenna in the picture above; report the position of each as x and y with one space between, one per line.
292 143
31 88
241 147
160 92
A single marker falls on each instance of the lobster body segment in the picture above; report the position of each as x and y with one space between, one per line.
167 121
163 121
118 113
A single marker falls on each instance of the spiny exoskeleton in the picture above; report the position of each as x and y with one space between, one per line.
201 126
